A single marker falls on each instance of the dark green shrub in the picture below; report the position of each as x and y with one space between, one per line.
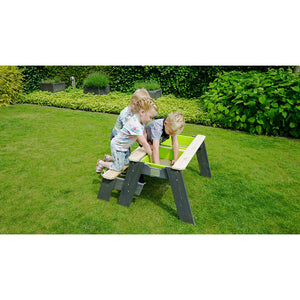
11 85
50 80
124 77
257 102
32 76
79 72
181 81
97 79
147 84
57 79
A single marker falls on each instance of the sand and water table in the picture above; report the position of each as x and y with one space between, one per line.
140 164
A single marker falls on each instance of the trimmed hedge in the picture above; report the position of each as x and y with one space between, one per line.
115 102
79 72
32 76
181 81
257 102
11 87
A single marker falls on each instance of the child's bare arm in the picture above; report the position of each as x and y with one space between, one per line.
156 152
145 134
142 141
175 147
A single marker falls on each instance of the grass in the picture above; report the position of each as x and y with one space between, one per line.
48 182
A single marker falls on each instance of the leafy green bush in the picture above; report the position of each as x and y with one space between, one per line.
97 79
50 80
147 84
192 109
257 102
124 77
32 76
11 86
181 81
115 102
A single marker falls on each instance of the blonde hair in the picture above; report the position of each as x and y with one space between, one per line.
175 122
138 94
145 103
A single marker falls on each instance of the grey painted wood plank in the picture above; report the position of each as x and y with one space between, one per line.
203 161
180 195
130 184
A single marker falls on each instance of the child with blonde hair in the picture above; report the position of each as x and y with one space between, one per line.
125 114
144 110
160 130
128 111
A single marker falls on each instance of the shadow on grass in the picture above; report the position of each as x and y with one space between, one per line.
154 190
97 181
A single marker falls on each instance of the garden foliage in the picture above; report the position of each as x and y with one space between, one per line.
147 84
11 87
32 76
115 102
79 72
52 80
181 81
35 74
96 79
257 102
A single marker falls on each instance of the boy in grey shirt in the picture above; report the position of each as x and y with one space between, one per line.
160 130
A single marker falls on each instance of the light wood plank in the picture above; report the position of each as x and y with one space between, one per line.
112 174
137 154
188 154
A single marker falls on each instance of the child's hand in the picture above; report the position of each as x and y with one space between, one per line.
142 141
173 161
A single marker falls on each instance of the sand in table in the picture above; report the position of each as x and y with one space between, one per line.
165 162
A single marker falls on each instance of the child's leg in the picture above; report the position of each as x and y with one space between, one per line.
102 164
105 164
120 159
108 157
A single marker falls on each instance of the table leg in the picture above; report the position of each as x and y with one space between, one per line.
180 195
203 161
105 189
131 181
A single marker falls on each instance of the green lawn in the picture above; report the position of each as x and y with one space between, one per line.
48 182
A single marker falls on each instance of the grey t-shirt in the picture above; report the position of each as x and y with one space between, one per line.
156 131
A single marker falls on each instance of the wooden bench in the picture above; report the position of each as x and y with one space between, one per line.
112 174
111 179
138 154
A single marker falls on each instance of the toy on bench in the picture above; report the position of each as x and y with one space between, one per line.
140 164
